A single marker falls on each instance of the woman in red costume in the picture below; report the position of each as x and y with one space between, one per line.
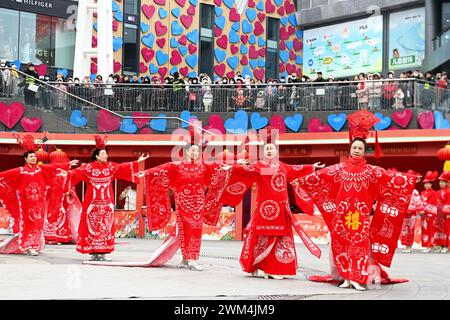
269 243
345 194
446 213
61 224
196 186
409 224
28 186
440 236
429 200
96 232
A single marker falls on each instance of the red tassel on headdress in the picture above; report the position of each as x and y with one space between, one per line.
100 142
378 151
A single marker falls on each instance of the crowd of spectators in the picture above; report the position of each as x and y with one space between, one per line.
175 93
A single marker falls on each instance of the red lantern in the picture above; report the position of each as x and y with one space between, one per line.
58 156
444 153
42 155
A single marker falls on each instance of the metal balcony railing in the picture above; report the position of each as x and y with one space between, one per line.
373 95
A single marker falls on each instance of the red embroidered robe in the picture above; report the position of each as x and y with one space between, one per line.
345 194
62 221
446 214
409 224
96 229
196 188
440 236
29 187
269 244
429 199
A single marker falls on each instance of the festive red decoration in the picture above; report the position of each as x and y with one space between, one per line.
360 123
27 142
42 155
58 156
430 176
444 153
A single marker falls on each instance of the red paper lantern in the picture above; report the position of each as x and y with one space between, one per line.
41 155
58 156
444 153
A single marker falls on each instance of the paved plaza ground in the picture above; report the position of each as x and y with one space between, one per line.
59 274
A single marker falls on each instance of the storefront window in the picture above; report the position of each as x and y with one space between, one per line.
36 38
63 43
9 34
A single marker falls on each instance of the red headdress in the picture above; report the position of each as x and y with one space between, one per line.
360 123
27 142
445 176
100 143
412 172
430 176
195 134
269 134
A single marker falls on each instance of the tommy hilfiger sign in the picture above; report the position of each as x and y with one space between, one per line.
55 8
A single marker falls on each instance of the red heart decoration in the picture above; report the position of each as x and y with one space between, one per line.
10 114
117 66
230 74
298 44
290 68
270 8
192 48
315 125
41 69
106 122
160 2
176 58
162 71
216 123
426 120
94 41
253 53
259 74
147 53
284 35
222 41
161 42
234 49
217 32
184 71
402 118
146 130
259 29
290 7
160 28
282 68
262 52
277 122
219 69
292 55
142 67
93 68
148 11
191 10
140 123
186 20
244 61
218 2
261 16
115 25
281 11
181 2
244 38
182 40
31 125
251 4
234 15
282 45
291 30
